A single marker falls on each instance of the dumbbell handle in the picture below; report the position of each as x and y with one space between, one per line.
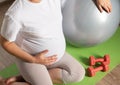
104 67
99 60
98 68
102 59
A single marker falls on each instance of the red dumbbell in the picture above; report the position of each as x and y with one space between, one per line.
92 71
93 60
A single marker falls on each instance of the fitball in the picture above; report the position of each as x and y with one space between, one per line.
84 25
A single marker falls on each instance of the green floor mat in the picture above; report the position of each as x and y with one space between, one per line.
111 47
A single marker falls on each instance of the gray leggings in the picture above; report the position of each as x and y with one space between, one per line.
37 74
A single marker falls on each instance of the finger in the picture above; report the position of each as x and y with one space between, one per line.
49 62
110 8
100 8
106 9
50 59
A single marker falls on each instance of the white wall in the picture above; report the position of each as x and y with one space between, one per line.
2 0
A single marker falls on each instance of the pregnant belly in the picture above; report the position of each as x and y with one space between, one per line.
54 46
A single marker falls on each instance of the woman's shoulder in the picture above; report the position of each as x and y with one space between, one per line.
14 10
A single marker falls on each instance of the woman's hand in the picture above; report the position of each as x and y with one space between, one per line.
104 5
42 59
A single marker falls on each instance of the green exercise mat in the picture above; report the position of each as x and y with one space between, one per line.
111 47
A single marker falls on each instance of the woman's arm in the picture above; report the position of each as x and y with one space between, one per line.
104 5
13 49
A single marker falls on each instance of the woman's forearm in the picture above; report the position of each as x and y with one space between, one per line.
13 49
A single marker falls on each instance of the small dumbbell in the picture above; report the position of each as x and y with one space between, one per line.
92 71
93 60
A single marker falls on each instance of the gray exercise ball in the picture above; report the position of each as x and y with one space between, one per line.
85 26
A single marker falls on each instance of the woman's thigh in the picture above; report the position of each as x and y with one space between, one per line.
36 74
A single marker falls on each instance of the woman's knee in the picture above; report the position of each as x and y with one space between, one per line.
75 77
79 75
